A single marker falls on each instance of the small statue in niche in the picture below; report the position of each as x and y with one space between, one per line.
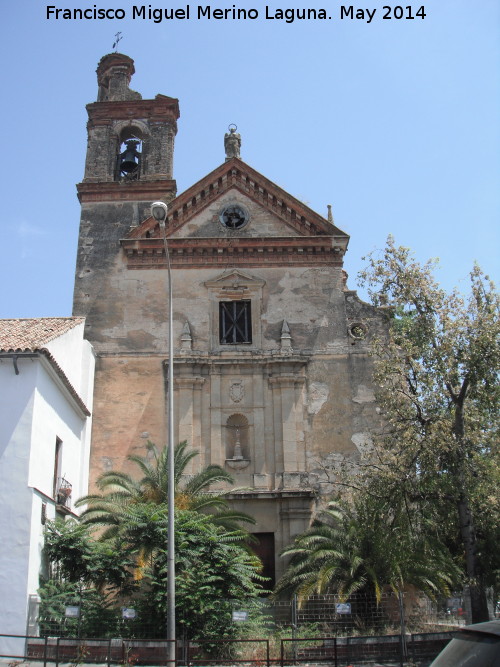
237 456
232 142
237 426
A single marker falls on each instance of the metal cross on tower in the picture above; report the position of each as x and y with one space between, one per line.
118 37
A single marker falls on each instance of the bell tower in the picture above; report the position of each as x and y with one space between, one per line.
129 164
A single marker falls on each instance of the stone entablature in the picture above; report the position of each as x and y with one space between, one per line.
227 252
160 109
145 191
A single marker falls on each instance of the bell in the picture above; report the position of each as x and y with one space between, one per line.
129 159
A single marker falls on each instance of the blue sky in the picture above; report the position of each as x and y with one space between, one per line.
394 122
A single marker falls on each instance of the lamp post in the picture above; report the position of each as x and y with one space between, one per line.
159 212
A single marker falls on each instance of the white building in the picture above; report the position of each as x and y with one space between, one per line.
46 386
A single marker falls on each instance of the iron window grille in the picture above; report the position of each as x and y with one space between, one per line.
235 322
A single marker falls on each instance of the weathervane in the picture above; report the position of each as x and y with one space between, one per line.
118 37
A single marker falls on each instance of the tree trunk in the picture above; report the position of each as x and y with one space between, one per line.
479 607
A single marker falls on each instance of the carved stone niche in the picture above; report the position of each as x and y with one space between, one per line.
237 456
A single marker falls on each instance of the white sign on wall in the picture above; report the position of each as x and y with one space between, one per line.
343 608
72 611
240 615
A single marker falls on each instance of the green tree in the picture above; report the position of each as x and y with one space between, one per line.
98 616
121 493
438 379
86 573
365 547
214 567
126 562
79 559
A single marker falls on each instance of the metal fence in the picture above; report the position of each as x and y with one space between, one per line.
325 628
340 651
337 651
325 615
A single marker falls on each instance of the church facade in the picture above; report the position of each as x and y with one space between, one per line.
272 373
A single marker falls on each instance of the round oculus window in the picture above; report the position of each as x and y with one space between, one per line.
234 217
358 330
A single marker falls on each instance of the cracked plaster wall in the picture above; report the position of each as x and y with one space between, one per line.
307 407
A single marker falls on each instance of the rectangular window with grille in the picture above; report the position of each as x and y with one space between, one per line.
235 322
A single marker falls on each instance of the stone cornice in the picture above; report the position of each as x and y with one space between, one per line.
286 380
203 364
235 281
141 190
189 382
258 494
162 107
196 252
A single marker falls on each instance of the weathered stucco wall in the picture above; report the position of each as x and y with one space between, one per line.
336 398
303 403
277 410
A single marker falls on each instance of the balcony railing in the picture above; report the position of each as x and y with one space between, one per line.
63 492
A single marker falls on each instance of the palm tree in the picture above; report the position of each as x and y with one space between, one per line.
365 550
123 497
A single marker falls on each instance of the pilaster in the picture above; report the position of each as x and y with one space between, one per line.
285 395
215 449
189 414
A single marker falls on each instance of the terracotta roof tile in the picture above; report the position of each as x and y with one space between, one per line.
32 334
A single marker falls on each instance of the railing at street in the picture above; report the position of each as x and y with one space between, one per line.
333 651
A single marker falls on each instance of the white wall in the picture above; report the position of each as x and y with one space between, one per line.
16 420
67 350
34 412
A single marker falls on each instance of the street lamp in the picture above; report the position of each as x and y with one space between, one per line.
159 212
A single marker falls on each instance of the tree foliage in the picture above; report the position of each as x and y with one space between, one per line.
122 493
79 559
427 490
366 547
439 391
126 563
213 568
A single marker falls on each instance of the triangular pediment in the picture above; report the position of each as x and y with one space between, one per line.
290 216
280 231
234 279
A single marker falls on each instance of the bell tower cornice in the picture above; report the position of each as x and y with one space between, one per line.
145 191
160 109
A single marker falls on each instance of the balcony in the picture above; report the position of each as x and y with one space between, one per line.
63 493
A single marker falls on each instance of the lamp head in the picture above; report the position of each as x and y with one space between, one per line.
159 211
